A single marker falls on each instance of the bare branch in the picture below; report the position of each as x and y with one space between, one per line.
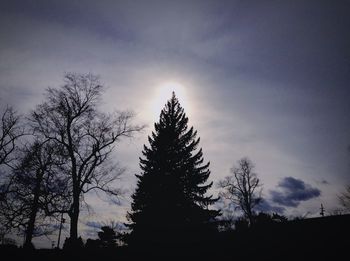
344 198
10 132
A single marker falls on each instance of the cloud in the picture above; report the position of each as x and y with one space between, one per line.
325 182
93 224
92 227
291 192
266 206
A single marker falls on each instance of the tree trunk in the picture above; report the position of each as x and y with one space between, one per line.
32 217
250 216
74 217
30 227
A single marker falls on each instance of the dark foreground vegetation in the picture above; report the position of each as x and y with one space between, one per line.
324 238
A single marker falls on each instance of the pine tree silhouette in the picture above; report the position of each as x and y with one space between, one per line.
169 205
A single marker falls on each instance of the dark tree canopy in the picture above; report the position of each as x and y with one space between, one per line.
170 201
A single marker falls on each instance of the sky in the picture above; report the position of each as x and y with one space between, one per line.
268 80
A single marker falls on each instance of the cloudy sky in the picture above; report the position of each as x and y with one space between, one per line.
263 79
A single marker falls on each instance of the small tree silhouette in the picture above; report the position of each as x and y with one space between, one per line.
242 188
107 237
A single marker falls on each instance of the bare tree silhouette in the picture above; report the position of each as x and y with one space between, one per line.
243 188
11 130
70 118
37 190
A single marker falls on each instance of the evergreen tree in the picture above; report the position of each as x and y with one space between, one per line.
169 204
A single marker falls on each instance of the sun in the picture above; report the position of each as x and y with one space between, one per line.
164 92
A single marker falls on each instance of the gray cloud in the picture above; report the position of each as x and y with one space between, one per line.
325 182
266 206
93 224
92 228
292 192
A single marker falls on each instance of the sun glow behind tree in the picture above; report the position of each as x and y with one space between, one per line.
163 91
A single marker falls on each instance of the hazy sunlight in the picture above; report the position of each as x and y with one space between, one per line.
163 94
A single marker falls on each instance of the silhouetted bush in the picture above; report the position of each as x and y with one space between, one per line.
71 243
241 224
108 237
93 243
